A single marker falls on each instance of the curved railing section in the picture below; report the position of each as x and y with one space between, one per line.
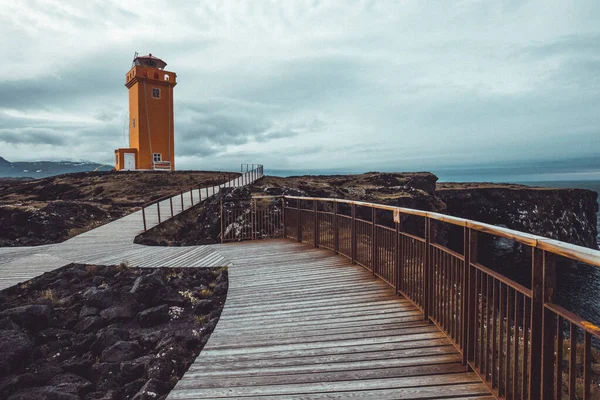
162 209
513 335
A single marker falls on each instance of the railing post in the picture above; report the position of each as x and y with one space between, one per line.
171 203
548 326
200 194
221 218
353 233
316 224
283 228
397 254
469 319
336 231
373 239
299 222
192 196
537 311
144 218
253 208
158 210
426 270
181 194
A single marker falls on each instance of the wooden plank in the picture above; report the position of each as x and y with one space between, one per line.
229 342
324 335
270 360
469 391
422 345
347 366
327 387
282 332
415 369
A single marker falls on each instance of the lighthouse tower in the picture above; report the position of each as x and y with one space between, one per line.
151 128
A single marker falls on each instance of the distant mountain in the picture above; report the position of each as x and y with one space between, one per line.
43 169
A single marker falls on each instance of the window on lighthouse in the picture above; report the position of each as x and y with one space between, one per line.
156 93
157 157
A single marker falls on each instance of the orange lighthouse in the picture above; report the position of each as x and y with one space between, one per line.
151 134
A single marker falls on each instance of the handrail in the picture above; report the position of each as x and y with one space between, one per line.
578 253
510 335
252 174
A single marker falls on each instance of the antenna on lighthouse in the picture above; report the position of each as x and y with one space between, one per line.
134 57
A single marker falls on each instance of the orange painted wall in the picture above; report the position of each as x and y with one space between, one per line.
120 158
154 127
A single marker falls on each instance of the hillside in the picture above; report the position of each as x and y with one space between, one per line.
44 169
51 210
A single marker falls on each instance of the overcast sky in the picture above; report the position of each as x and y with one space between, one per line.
308 84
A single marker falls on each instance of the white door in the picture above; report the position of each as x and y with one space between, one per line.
129 161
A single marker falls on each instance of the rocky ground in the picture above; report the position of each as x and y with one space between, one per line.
93 332
198 225
568 215
411 190
51 210
565 214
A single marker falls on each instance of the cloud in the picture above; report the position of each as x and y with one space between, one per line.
363 85
31 137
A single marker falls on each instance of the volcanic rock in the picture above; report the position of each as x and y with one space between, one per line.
34 317
43 393
121 351
119 313
100 298
203 307
151 390
15 351
88 324
71 383
154 316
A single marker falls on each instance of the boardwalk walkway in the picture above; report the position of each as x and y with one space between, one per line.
110 244
300 322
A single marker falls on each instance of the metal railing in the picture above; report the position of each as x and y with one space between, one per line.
175 204
161 165
250 219
511 334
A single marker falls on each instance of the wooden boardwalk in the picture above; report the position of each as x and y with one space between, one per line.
110 244
303 323
299 322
